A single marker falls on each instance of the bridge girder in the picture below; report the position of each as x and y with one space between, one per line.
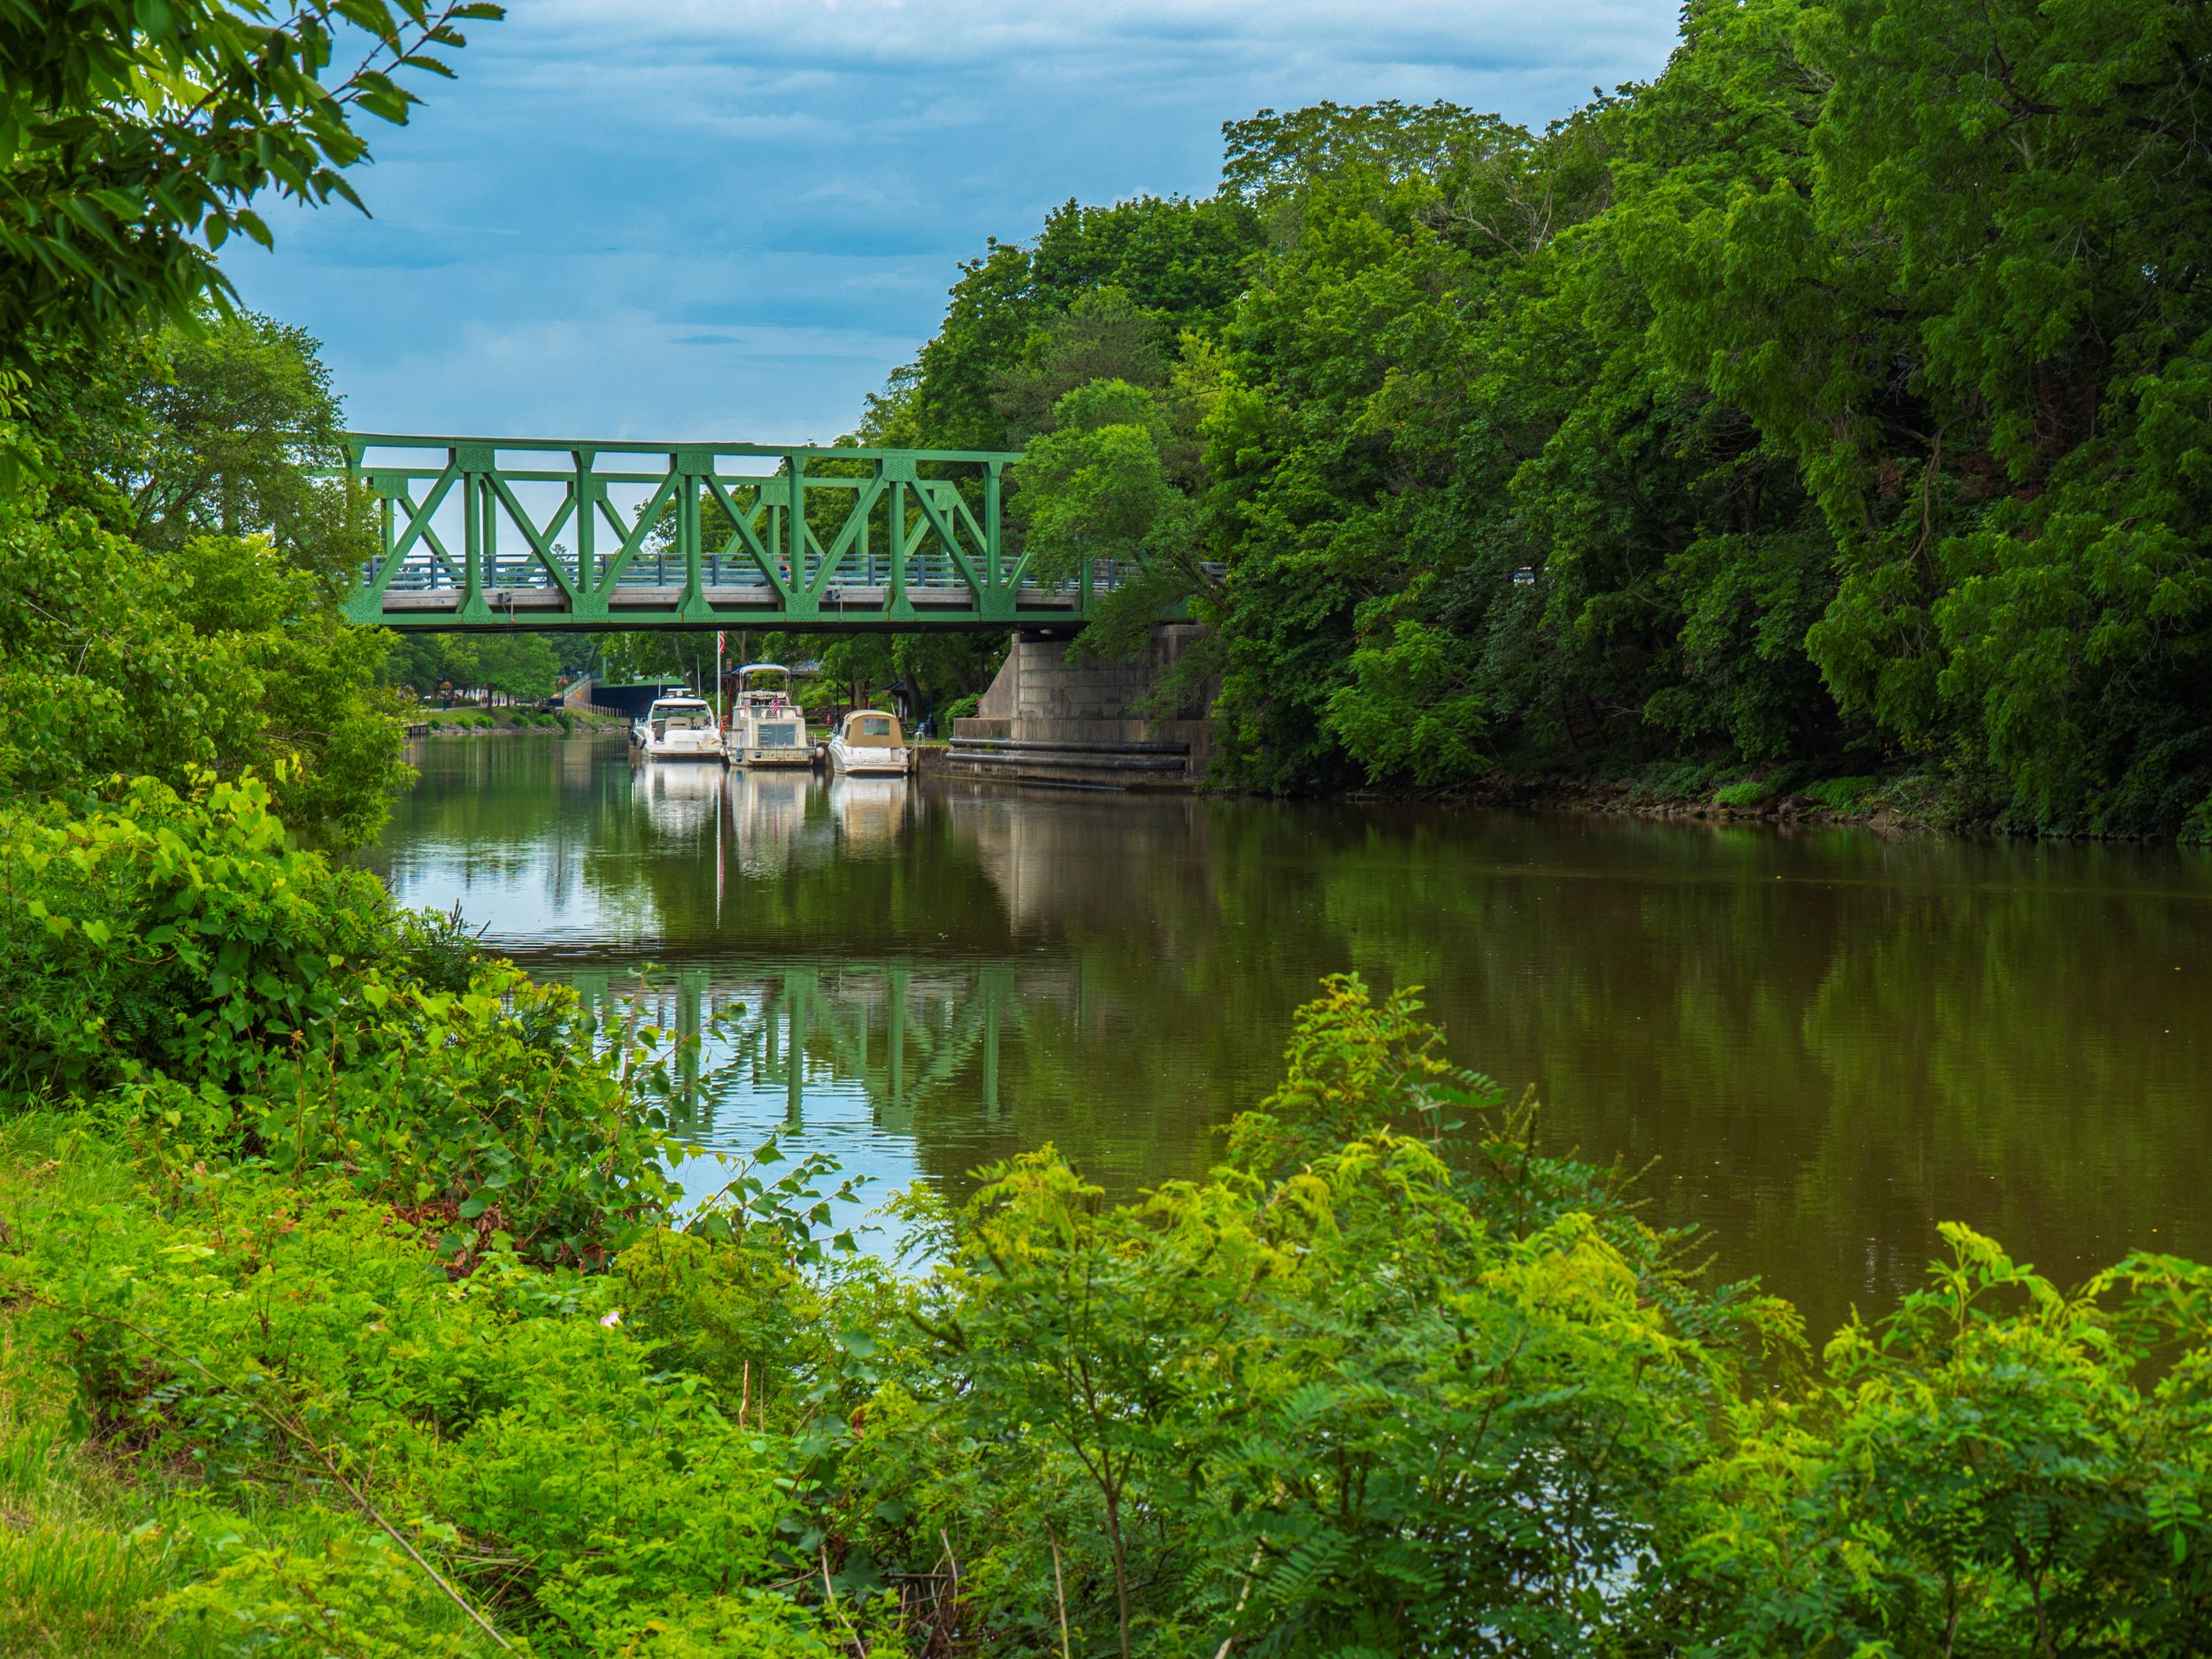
484 534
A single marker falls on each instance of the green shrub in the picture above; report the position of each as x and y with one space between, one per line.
223 656
1216 1415
227 994
1746 792
170 931
1388 1381
1359 1398
490 1115
1842 794
1996 1464
2196 829
310 1366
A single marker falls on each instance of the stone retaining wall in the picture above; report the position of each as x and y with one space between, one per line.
1051 712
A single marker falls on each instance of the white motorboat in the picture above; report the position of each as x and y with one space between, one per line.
868 740
677 728
765 728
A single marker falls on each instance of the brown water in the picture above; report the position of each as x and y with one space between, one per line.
1828 1040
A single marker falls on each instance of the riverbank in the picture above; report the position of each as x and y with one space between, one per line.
509 722
270 1396
1893 802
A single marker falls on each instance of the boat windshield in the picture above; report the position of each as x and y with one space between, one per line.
870 728
681 717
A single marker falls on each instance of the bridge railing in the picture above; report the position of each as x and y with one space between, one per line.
557 532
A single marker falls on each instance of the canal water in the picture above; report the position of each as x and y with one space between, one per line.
1823 1041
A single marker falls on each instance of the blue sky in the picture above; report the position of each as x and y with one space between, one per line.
730 220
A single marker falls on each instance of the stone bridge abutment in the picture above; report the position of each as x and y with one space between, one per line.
1048 720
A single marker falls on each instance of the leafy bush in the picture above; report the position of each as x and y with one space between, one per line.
224 657
1842 794
1221 1408
550 1471
2196 829
1355 1397
229 995
1997 1467
1389 1379
180 931
1744 792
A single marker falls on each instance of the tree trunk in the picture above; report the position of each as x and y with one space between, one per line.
1121 1566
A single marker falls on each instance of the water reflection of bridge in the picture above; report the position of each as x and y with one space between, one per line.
926 971
905 1033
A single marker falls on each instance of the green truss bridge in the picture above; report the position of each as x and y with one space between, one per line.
542 533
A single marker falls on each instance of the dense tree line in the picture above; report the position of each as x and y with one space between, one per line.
1836 403
173 572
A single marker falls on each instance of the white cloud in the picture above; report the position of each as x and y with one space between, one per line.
661 219
1018 39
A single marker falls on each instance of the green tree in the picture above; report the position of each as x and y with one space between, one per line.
1104 336
134 140
518 665
1102 486
236 407
1101 286
224 656
1937 268
1830 401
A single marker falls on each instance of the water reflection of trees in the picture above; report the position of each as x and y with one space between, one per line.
1829 1040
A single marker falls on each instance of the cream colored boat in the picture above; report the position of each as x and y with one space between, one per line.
765 728
868 740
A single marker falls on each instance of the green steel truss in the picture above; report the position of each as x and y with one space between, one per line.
539 532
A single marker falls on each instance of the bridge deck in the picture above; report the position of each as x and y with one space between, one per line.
495 533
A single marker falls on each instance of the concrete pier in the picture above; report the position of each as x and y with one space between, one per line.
1046 720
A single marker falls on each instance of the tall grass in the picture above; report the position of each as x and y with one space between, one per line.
80 1566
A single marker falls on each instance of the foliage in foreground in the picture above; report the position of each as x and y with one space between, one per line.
345 1313
137 138
174 956
340 1451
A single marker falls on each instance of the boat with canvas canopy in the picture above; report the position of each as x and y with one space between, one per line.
868 740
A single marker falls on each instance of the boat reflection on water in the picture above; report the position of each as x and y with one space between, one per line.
870 811
774 817
681 799
767 818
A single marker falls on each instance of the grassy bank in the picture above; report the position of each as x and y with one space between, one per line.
345 1308
509 721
